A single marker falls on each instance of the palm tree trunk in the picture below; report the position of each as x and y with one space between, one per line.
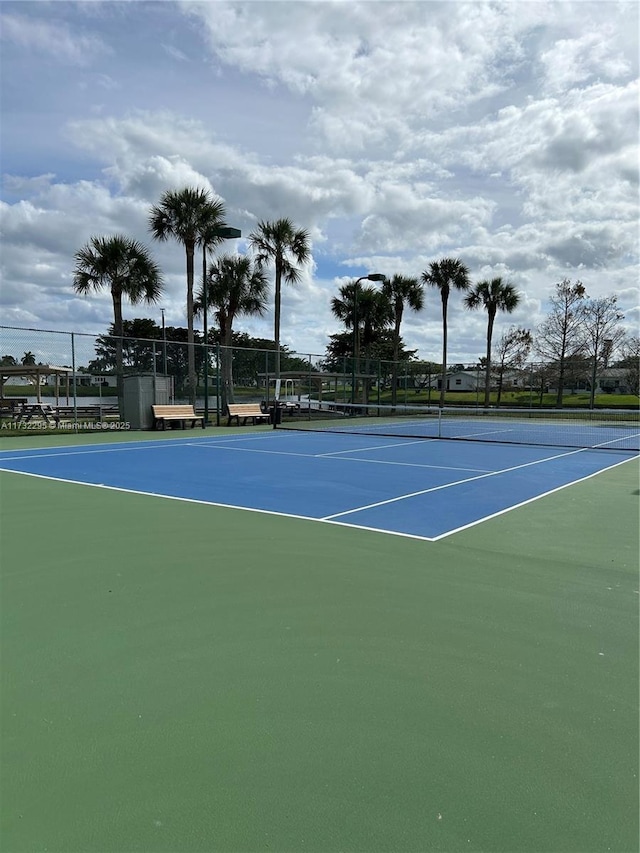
277 316
205 331
394 371
443 380
226 356
191 355
487 378
117 327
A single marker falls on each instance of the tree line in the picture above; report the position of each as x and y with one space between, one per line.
235 285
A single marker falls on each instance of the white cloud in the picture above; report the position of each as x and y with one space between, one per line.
574 61
50 38
397 133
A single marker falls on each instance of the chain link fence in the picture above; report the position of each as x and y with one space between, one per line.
73 371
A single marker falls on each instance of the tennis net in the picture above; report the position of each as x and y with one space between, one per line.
606 429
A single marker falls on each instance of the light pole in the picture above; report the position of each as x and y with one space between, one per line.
226 233
164 345
374 276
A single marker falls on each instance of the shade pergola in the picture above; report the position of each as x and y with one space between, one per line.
36 372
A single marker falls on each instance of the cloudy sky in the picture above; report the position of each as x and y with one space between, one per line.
397 133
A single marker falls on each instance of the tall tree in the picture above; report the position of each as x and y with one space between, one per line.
144 345
124 266
235 287
282 244
369 310
402 292
511 353
561 337
631 362
188 215
444 275
603 334
495 295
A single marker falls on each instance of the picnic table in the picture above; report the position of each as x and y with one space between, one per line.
9 406
39 410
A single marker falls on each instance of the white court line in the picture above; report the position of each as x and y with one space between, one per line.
223 505
220 443
334 458
528 501
615 441
157 495
160 444
328 519
91 452
386 446
449 485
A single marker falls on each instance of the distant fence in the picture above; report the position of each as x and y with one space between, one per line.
228 374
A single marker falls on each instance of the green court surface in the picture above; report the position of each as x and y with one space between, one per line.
182 677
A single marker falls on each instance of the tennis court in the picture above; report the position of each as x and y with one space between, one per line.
211 642
426 489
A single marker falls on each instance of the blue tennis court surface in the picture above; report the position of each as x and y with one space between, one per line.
421 488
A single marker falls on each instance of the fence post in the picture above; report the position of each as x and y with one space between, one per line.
309 391
406 382
217 384
75 396
206 379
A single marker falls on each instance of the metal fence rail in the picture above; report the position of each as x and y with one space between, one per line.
89 376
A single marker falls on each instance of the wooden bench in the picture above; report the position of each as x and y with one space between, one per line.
176 414
88 413
246 411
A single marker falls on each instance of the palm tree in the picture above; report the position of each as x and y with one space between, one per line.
126 267
234 287
445 274
401 291
188 215
285 246
368 310
495 295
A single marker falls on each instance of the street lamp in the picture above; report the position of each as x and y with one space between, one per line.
164 345
374 276
225 232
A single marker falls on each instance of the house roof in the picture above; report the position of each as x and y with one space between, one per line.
33 370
